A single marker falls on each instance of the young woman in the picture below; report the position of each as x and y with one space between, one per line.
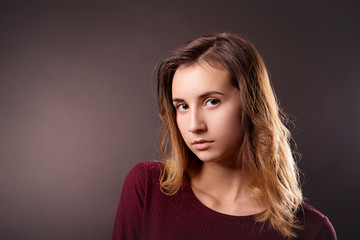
228 171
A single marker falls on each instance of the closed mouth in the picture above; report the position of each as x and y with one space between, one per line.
200 141
202 145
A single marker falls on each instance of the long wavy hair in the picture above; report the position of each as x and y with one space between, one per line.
265 153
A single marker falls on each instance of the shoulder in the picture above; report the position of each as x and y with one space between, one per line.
137 188
144 168
311 215
316 225
143 172
141 179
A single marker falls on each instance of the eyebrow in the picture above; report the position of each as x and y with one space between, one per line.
204 95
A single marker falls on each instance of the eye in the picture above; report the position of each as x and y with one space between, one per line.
182 107
212 102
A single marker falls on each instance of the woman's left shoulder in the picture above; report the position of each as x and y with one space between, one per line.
316 225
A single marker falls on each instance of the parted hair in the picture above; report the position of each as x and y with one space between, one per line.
265 152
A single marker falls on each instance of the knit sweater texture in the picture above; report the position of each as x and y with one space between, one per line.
144 212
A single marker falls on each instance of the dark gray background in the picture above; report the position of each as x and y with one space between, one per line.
78 107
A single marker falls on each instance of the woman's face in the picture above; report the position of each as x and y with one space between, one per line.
208 111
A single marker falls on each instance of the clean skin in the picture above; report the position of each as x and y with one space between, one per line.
208 115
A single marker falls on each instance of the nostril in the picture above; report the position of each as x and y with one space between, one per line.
199 127
196 123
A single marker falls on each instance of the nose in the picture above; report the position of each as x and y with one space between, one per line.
197 122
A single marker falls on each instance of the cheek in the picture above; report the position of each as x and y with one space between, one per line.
228 124
181 126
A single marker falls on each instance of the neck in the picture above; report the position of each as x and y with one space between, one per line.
222 182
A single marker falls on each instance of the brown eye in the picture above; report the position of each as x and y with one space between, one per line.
182 107
212 102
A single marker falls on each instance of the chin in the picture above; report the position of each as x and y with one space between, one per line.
207 157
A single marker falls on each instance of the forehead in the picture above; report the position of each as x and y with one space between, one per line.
200 77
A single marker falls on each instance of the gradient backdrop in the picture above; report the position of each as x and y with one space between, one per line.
78 107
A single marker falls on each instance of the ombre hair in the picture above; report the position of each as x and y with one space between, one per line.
265 152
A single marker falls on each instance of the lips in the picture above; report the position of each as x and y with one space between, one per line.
202 144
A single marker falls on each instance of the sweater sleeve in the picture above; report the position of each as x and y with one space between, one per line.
128 219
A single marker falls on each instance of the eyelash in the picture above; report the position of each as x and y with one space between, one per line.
217 101
180 105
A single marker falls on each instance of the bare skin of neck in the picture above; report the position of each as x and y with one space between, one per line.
224 189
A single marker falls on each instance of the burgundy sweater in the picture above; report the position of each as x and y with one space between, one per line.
144 212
